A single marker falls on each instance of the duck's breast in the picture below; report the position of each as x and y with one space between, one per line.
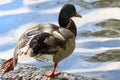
69 46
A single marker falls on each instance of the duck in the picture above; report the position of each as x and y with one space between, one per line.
47 41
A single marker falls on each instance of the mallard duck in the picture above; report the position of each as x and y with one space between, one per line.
47 42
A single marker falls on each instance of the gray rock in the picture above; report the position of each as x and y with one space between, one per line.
30 72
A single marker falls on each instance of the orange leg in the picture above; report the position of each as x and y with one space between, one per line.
53 73
8 65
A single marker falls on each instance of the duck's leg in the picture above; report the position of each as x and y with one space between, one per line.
53 73
8 65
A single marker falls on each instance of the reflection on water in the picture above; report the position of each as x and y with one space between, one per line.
109 55
104 3
111 24
109 28
103 33
90 4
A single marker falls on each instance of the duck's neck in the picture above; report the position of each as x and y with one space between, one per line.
67 23
63 21
72 27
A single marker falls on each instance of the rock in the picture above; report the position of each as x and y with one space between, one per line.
30 72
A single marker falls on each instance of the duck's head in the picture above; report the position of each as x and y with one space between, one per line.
68 11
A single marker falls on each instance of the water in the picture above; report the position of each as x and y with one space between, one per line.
97 51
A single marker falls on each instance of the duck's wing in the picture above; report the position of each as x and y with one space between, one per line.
41 38
22 46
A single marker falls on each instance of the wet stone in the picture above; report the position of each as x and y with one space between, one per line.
30 72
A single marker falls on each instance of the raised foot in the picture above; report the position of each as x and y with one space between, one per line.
7 65
52 74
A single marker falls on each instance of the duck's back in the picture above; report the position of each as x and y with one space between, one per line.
46 42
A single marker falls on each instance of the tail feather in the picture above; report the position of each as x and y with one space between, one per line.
8 65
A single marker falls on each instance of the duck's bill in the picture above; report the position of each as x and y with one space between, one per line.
78 15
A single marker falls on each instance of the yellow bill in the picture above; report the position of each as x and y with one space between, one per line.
78 15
